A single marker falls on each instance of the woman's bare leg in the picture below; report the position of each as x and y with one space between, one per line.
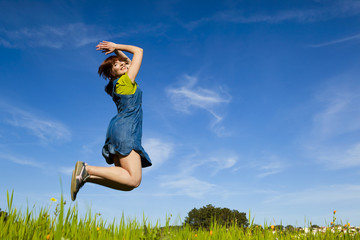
125 176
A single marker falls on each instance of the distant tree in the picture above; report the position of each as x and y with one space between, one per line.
223 216
3 215
290 228
279 227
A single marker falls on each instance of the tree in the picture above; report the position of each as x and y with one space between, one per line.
290 228
3 215
204 216
279 227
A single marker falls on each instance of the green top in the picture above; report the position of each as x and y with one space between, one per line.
125 86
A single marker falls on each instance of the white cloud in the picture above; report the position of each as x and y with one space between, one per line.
45 130
188 96
70 35
333 141
341 40
66 170
340 113
159 151
332 9
222 160
268 165
21 161
186 182
189 186
336 156
328 194
216 161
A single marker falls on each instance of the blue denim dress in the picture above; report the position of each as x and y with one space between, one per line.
125 129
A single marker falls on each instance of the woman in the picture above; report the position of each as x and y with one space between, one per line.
123 138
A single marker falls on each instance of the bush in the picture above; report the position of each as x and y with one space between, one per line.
204 216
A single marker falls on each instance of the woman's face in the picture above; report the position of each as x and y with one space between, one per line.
120 68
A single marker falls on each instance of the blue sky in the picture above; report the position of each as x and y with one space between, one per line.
249 105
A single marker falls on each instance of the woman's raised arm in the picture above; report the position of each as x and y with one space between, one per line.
135 63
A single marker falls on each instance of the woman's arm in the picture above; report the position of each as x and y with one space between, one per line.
123 55
109 47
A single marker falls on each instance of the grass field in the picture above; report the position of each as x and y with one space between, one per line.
66 224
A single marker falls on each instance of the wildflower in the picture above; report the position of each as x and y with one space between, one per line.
97 229
348 224
211 232
48 237
334 211
195 235
331 223
272 227
53 199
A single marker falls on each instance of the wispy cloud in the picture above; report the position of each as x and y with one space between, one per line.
21 160
70 35
328 194
333 9
45 130
335 155
66 170
219 160
269 164
331 141
159 151
189 186
186 180
340 113
188 97
341 40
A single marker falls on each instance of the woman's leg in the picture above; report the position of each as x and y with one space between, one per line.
125 176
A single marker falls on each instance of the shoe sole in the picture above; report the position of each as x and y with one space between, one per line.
78 167
76 172
73 186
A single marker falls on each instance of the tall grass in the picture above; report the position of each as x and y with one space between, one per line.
67 224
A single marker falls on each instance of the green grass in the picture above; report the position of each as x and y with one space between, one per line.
67 224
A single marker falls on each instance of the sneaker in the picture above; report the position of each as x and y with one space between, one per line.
78 179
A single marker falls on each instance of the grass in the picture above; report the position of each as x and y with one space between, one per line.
67 224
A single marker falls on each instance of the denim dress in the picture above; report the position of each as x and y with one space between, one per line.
125 129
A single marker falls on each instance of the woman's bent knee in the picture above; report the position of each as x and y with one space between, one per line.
131 187
135 183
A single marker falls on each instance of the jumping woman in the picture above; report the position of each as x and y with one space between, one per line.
123 138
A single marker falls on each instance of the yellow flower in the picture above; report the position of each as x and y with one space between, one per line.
195 235
48 237
348 224
334 211
53 199
97 229
331 223
211 232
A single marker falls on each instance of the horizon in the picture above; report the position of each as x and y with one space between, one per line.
248 105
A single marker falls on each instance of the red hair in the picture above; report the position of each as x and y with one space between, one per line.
105 71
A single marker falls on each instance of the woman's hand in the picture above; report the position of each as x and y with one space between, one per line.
106 47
